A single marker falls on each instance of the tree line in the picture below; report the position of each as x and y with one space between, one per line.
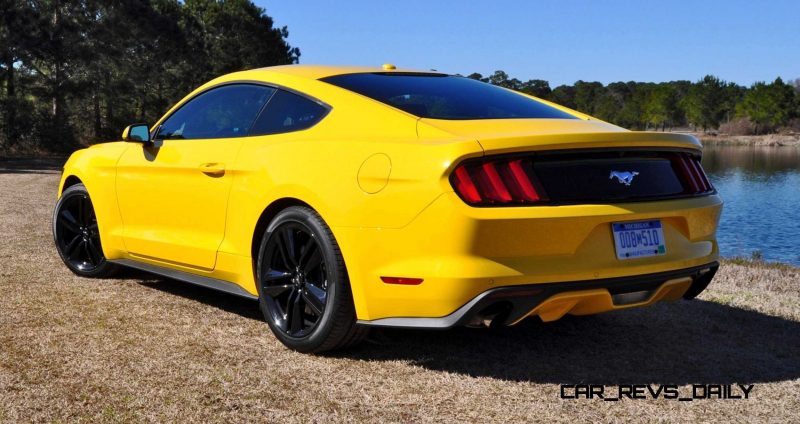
78 71
706 105
75 71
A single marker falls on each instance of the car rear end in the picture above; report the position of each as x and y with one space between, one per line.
546 228
552 217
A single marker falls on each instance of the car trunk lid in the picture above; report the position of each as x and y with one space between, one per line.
567 161
498 136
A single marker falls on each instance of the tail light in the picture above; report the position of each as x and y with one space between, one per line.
579 177
691 173
497 182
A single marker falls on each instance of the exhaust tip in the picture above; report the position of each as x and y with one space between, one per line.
700 282
631 297
492 316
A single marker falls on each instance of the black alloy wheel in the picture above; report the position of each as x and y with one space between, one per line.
77 236
304 292
295 282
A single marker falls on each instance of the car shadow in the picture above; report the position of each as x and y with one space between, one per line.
682 342
246 308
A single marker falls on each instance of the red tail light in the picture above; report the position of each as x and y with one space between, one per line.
579 177
691 173
520 177
497 182
464 185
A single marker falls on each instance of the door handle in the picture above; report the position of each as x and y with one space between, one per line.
213 168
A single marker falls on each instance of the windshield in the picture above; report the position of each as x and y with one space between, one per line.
445 96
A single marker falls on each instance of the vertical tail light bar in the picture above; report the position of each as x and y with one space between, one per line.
520 180
464 185
698 171
496 189
691 173
497 182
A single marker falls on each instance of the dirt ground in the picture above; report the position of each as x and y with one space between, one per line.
141 348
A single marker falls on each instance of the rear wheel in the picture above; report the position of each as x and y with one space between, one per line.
304 292
77 236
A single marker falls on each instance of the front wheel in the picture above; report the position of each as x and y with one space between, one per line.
77 235
304 292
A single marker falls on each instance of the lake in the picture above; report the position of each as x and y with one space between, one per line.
761 190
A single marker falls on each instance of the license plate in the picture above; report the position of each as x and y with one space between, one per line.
638 239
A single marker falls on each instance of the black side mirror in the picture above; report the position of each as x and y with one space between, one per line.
138 133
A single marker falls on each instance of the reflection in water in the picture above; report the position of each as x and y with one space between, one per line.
761 189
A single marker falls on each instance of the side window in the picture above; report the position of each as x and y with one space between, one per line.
287 112
226 111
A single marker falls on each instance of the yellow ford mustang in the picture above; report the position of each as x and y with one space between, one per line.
344 198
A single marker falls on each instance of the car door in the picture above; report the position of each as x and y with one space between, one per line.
173 194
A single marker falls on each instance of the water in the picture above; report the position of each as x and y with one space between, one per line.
761 190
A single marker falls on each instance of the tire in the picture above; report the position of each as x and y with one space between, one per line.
77 236
303 289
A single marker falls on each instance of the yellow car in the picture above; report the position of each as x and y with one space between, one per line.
343 198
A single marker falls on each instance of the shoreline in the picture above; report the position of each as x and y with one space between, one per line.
767 140
757 263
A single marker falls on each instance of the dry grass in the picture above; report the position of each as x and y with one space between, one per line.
139 348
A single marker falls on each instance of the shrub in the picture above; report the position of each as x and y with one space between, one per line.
738 126
791 127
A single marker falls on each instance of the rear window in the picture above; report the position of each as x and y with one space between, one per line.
445 96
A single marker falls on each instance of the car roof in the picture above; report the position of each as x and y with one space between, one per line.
322 71
303 78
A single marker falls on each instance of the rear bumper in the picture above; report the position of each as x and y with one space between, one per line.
462 252
510 305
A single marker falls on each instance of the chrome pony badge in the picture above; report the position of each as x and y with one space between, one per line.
624 177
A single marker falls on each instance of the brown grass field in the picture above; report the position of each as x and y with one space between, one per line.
142 349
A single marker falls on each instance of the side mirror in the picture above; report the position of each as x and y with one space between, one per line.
137 133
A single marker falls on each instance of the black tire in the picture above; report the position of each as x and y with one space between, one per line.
76 234
303 289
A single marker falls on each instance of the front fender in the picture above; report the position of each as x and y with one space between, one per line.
96 168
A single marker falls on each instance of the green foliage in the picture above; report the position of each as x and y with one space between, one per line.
641 105
610 102
662 107
704 102
75 71
564 95
586 94
768 105
632 113
536 87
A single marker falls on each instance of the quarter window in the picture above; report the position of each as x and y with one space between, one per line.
288 112
222 112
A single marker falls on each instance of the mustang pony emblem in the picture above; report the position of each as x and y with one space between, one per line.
623 177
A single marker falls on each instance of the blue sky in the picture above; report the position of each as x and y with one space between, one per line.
560 41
